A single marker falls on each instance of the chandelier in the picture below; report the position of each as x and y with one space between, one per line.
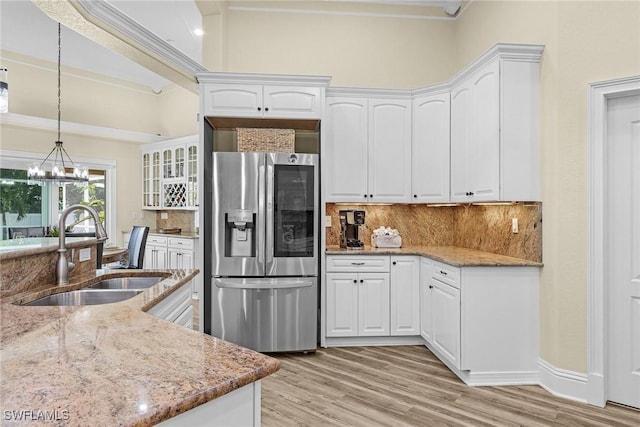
59 161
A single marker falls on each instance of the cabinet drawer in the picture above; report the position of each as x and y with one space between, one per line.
175 242
358 263
446 274
156 240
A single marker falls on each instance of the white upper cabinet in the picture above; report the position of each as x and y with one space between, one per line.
368 149
262 96
345 161
494 127
430 148
170 174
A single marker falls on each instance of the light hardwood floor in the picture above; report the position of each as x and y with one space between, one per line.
409 386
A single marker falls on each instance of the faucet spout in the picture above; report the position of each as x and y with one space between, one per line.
63 267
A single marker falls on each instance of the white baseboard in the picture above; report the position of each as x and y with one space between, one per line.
562 383
373 341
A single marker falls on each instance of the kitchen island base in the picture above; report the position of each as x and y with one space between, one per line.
238 408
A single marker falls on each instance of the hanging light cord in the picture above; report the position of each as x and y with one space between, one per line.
59 86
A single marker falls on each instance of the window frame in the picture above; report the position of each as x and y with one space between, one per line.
21 160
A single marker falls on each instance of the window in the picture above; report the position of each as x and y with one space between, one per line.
41 205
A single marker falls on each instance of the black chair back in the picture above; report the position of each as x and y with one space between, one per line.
137 243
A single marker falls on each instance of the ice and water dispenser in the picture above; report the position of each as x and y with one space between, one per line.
240 236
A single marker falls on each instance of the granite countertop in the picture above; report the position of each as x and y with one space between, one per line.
17 248
452 255
113 363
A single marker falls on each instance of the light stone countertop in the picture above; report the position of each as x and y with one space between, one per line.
452 255
114 364
17 248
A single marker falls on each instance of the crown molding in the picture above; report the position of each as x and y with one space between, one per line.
266 79
104 13
32 122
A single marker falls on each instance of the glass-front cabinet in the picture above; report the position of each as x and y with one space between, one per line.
170 174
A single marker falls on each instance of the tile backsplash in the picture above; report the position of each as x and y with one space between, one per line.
184 220
482 227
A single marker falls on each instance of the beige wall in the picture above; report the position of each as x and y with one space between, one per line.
355 50
94 100
584 42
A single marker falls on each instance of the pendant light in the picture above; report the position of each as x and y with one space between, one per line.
58 155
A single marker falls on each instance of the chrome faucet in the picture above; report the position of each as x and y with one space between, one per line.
63 267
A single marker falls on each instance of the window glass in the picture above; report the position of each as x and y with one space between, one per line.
26 204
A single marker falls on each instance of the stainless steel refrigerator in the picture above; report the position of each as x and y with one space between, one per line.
265 250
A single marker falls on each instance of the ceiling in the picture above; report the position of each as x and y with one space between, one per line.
25 29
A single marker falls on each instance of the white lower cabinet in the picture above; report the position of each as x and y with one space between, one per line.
239 408
482 321
155 253
176 308
404 295
357 304
372 296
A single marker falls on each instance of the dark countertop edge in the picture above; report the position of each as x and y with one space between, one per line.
431 252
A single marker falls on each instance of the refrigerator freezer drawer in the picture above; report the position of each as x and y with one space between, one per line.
266 315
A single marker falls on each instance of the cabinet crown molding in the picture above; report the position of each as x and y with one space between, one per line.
513 52
265 79
369 92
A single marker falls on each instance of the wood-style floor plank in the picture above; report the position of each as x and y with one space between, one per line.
409 386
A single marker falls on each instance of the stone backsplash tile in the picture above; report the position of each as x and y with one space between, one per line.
184 220
485 227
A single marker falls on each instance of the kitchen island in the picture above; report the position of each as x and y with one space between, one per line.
116 364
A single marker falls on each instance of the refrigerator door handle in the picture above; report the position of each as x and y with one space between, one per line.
260 250
262 283
269 200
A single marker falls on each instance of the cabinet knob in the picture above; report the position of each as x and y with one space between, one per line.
394 263
259 108
361 281
430 286
355 281
365 196
266 108
415 196
371 196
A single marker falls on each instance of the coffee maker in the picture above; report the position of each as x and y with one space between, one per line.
350 220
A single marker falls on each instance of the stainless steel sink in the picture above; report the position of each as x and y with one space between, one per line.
127 283
87 297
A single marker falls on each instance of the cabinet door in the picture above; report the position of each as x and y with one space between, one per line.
192 175
155 257
292 102
151 179
446 321
389 154
430 149
224 100
180 259
485 144
373 304
346 154
426 300
405 295
342 304
460 142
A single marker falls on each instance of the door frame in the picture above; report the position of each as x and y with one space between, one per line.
597 296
